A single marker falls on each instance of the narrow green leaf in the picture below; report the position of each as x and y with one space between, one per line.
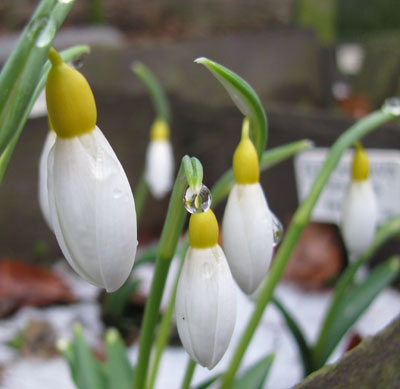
156 92
206 384
21 73
66 55
298 336
67 350
354 304
255 376
245 98
119 370
90 374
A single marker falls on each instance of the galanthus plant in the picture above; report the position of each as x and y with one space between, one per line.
87 201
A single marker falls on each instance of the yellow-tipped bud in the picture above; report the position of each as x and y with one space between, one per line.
159 130
246 169
70 102
203 230
360 167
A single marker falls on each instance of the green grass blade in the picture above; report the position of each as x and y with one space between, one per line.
157 94
298 336
255 376
245 98
354 304
119 370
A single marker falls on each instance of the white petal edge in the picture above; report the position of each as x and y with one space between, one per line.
205 305
247 235
92 209
42 182
159 170
359 216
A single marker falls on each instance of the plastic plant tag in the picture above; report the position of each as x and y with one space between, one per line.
385 175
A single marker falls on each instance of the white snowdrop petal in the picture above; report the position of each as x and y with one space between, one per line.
93 210
159 170
205 305
360 214
247 235
43 191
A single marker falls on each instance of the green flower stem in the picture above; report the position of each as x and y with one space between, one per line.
66 55
386 232
299 222
269 158
21 73
141 194
188 374
164 332
172 229
156 92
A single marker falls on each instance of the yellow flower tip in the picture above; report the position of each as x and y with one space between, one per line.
203 230
360 167
70 101
159 130
246 169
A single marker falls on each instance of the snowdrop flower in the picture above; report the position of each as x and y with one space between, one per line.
360 210
159 169
91 203
43 192
206 298
247 224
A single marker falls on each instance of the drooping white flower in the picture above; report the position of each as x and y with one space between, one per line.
91 203
42 188
247 224
360 210
159 169
206 298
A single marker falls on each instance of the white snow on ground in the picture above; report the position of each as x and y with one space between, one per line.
271 336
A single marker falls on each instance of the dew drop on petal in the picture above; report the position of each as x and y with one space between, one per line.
392 105
117 193
197 202
277 230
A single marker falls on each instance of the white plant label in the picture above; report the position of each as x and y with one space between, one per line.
385 175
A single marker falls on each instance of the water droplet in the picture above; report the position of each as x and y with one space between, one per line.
48 30
65 1
117 193
392 105
197 202
277 230
77 62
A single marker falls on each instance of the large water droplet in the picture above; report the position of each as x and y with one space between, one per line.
392 105
197 202
47 33
277 230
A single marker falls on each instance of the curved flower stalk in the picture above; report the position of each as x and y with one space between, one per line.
360 210
206 298
43 191
247 224
159 169
91 203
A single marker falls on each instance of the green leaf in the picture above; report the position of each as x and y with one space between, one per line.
206 384
89 372
245 98
298 336
255 376
119 370
156 92
66 55
353 305
20 75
